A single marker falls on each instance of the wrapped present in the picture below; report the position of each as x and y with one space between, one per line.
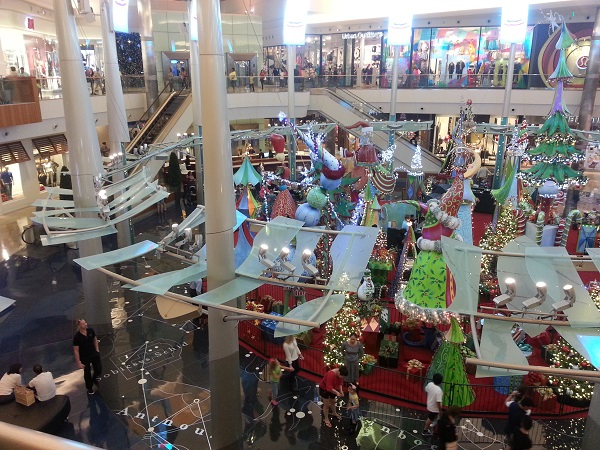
268 326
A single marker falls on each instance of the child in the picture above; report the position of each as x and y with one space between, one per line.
353 406
274 370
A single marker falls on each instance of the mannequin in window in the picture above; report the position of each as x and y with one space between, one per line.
460 67
450 70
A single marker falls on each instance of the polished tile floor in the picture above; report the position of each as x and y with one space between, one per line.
155 389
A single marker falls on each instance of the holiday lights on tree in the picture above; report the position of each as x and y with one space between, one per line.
496 238
555 151
338 330
568 358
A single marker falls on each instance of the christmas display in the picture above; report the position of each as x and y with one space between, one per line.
567 357
338 330
551 159
449 362
496 237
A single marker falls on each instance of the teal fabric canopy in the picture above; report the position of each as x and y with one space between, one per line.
246 174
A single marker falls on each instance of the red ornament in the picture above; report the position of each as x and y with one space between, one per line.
352 324
469 102
342 332
354 311
565 349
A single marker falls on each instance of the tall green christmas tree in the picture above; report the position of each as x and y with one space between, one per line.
448 361
338 330
555 152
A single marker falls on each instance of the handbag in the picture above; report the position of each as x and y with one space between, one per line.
24 395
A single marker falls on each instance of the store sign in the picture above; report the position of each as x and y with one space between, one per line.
29 23
121 15
366 35
294 22
514 21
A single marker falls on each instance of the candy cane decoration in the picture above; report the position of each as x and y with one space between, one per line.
559 232
568 221
541 219
521 221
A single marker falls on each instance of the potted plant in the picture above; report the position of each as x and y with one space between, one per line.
367 363
412 335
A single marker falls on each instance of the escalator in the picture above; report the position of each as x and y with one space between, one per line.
342 108
151 127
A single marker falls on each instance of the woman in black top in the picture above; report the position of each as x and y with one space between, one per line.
446 428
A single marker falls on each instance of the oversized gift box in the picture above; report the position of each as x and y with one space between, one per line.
268 326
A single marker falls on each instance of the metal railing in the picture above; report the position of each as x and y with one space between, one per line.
398 384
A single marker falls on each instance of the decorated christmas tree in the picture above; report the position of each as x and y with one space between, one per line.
566 357
448 362
338 330
495 238
555 152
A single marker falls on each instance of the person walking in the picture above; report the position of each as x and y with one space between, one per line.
8 382
353 352
263 78
447 428
43 384
520 438
251 82
518 407
7 181
434 402
330 388
293 357
87 354
232 79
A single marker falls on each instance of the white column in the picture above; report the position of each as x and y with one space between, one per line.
118 132
291 65
359 74
394 92
148 55
220 219
84 150
194 76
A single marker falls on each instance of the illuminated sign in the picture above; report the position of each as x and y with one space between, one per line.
194 20
514 21
366 35
400 28
121 15
294 22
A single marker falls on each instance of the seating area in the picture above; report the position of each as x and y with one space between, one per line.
45 416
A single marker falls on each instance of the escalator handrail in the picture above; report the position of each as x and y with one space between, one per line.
151 120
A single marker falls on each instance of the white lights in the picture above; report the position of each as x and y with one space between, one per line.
308 267
102 194
283 256
509 294
262 257
566 302
539 298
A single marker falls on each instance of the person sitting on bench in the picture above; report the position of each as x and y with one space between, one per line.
43 384
8 382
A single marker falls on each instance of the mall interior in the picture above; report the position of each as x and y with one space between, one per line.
199 180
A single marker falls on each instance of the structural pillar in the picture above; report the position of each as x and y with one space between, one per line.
84 152
118 131
394 93
224 367
592 77
592 423
194 76
148 55
291 66
359 74
499 168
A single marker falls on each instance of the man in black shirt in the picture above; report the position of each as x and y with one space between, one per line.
87 354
